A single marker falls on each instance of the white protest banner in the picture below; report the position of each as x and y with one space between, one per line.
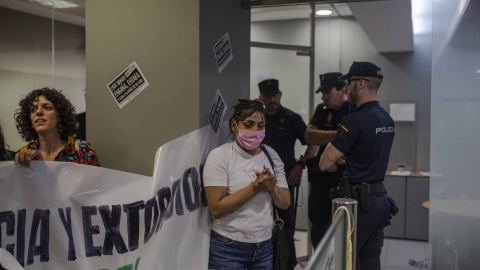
58 215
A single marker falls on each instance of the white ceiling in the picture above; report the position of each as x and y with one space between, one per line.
69 15
297 12
387 23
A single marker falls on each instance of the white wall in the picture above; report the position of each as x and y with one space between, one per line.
172 42
26 64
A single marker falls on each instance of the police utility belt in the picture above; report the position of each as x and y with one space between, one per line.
358 192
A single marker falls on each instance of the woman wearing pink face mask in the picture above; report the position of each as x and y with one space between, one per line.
241 187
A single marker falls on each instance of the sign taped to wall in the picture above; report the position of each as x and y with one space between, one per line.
58 215
217 111
223 52
127 85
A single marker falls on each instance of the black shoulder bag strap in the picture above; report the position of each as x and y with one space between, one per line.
275 218
279 239
268 156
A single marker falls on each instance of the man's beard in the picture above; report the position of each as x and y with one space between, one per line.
352 95
327 104
272 106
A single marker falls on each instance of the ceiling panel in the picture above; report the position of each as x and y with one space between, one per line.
69 15
388 24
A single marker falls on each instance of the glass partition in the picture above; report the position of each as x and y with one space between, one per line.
292 32
455 148
292 72
41 46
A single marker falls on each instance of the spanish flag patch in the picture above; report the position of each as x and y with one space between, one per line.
341 132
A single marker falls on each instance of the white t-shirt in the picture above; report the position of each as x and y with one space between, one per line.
230 166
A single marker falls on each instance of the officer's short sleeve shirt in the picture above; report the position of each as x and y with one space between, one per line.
365 137
329 119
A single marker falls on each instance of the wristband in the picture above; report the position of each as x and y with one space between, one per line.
301 163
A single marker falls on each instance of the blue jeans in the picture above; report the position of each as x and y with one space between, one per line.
232 255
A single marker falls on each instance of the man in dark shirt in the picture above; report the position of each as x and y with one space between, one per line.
365 137
283 128
81 126
5 154
321 129
82 122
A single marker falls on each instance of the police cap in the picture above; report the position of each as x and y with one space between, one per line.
330 80
363 69
268 87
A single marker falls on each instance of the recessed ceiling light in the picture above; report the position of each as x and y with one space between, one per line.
478 71
324 12
55 3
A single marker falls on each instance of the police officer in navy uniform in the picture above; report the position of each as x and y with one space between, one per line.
283 128
365 138
321 129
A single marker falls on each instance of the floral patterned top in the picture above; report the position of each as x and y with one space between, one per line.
83 155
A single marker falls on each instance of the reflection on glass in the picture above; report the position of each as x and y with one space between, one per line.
41 48
455 148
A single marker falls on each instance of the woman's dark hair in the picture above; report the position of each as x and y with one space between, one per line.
65 112
245 108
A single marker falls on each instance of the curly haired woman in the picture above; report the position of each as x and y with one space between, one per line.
46 118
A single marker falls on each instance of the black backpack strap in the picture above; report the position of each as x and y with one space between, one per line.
268 156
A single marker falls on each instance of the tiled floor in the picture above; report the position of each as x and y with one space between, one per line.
396 253
301 242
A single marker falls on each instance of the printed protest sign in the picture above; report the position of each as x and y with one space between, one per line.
58 215
217 111
127 85
223 52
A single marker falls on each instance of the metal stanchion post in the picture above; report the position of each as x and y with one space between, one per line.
351 205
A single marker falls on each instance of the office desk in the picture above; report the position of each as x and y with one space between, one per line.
409 192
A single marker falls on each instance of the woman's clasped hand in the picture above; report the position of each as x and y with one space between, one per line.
265 181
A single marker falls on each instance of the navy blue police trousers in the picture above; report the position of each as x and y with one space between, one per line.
370 225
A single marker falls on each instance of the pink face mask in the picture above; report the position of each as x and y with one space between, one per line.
250 139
